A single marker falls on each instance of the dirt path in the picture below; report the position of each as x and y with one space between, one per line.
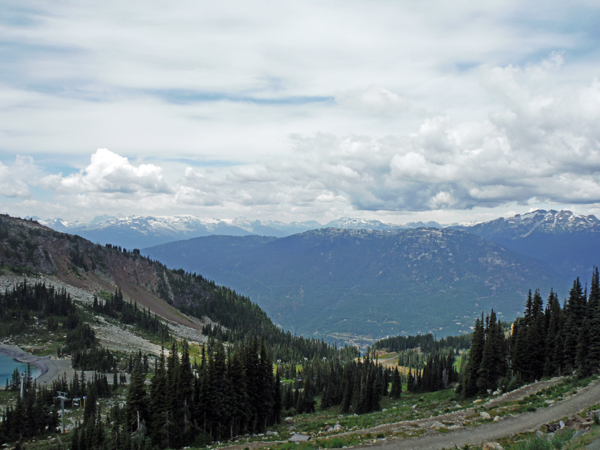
476 434
585 398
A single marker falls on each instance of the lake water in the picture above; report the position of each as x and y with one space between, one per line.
7 367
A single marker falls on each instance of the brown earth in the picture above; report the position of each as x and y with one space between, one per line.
46 251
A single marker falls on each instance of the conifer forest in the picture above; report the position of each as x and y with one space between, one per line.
548 340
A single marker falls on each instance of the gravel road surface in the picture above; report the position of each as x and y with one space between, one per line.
585 398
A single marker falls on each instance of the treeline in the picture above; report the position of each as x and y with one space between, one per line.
356 386
231 393
547 341
129 314
238 317
437 373
285 346
20 303
80 387
55 309
426 342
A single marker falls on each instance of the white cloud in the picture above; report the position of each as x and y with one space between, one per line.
314 108
528 151
110 173
14 177
374 99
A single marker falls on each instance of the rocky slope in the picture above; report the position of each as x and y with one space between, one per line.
29 248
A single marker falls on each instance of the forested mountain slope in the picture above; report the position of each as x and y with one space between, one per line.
26 247
567 242
344 283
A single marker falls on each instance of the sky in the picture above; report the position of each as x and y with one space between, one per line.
300 110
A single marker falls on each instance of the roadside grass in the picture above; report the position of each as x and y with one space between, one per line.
562 440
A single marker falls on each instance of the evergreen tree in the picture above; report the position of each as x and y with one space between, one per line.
576 313
475 357
553 313
137 401
159 405
593 353
396 391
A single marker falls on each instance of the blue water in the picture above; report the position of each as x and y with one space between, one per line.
7 367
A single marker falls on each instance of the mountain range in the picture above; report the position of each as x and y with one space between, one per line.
566 242
366 284
146 231
366 279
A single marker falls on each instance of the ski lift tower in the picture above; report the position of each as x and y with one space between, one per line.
62 396
23 376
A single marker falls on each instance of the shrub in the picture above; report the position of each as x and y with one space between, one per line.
533 443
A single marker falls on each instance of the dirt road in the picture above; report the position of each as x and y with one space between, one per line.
585 398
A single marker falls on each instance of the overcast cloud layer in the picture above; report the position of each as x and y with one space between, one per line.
299 110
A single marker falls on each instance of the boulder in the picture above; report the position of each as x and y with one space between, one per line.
492 446
485 415
438 425
299 438
289 420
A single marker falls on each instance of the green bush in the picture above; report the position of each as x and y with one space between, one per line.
515 382
533 443
334 443
561 437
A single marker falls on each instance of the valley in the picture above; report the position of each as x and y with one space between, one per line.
360 285
129 302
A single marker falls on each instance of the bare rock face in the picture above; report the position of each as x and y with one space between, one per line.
43 261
